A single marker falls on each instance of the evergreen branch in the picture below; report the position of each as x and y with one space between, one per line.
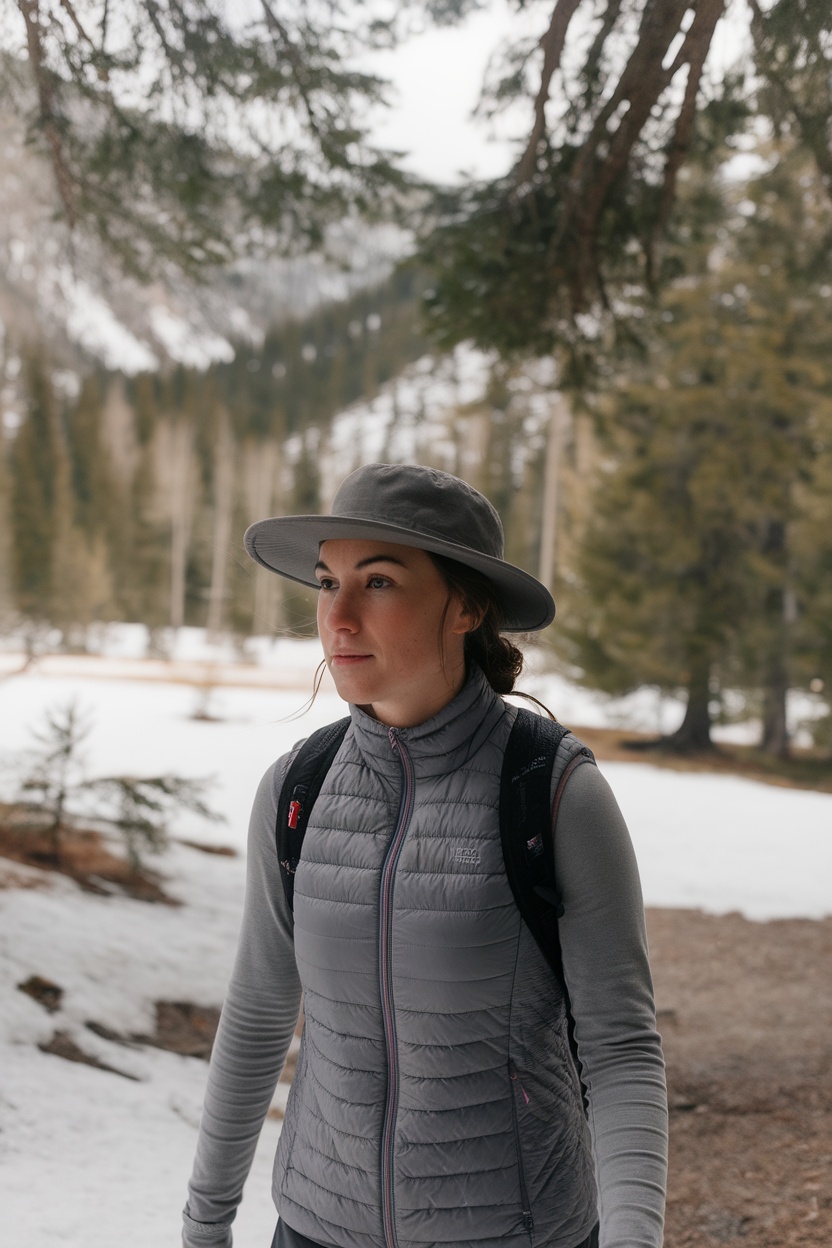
591 70
657 30
296 66
813 125
50 121
76 21
552 45
700 42
641 84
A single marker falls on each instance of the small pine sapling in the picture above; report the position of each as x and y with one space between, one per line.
55 772
141 808
55 794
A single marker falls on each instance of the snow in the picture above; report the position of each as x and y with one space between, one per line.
183 344
408 419
91 322
721 843
90 1159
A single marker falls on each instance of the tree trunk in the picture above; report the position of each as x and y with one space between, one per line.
181 502
694 732
223 510
7 610
775 738
779 614
558 417
263 471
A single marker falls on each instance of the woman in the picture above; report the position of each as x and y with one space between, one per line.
435 1100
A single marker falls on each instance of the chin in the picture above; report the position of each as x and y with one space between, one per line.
352 688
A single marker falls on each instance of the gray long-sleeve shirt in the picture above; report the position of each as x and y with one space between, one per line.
605 966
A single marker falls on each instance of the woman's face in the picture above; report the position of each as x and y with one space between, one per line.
389 642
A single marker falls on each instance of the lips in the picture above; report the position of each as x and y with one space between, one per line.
348 660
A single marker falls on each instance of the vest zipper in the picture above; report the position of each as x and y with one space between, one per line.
528 1221
385 937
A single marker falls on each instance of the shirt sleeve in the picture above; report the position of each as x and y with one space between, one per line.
604 950
256 1025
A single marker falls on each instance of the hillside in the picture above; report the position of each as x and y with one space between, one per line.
67 291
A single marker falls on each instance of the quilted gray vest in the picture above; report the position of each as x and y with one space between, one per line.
435 1101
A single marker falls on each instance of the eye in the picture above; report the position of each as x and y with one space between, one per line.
326 582
377 582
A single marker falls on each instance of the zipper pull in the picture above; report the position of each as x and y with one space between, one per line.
391 733
296 805
520 1086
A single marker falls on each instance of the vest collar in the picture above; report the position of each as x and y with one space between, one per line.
441 744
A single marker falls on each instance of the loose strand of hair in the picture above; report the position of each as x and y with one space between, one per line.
310 701
518 693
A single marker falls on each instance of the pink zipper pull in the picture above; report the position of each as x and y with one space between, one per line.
391 732
520 1086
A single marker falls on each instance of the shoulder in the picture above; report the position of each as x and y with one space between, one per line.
592 842
323 744
272 780
587 794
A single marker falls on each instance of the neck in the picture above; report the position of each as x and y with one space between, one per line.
418 709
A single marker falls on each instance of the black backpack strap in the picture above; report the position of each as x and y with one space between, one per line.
536 747
298 793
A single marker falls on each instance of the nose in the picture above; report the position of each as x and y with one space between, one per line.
339 613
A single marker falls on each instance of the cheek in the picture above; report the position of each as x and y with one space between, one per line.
417 634
320 618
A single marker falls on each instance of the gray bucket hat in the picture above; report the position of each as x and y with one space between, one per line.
414 506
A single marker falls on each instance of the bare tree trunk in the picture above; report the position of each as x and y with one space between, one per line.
223 512
551 44
551 490
180 520
50 120
56 825
263 501
7 604
779 614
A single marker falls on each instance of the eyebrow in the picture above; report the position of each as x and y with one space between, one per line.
320 566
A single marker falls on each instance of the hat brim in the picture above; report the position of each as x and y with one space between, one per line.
289 545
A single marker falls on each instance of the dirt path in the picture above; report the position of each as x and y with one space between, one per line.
746 1017
803 769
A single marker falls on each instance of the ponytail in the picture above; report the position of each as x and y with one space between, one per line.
501 661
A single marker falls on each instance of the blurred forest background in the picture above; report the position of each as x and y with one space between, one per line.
218 297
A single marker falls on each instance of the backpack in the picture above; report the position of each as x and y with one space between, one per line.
527 825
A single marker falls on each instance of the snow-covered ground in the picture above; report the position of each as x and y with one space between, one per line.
89 1159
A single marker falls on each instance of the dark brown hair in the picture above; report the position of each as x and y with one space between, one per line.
500 660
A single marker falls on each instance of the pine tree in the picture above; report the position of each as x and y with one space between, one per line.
688 565
783 256
811 546
34 459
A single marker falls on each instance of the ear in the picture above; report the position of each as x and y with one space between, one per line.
462 618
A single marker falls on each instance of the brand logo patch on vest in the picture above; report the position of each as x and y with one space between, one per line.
466 854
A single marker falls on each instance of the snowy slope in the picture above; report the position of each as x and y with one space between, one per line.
89 1159
68 291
